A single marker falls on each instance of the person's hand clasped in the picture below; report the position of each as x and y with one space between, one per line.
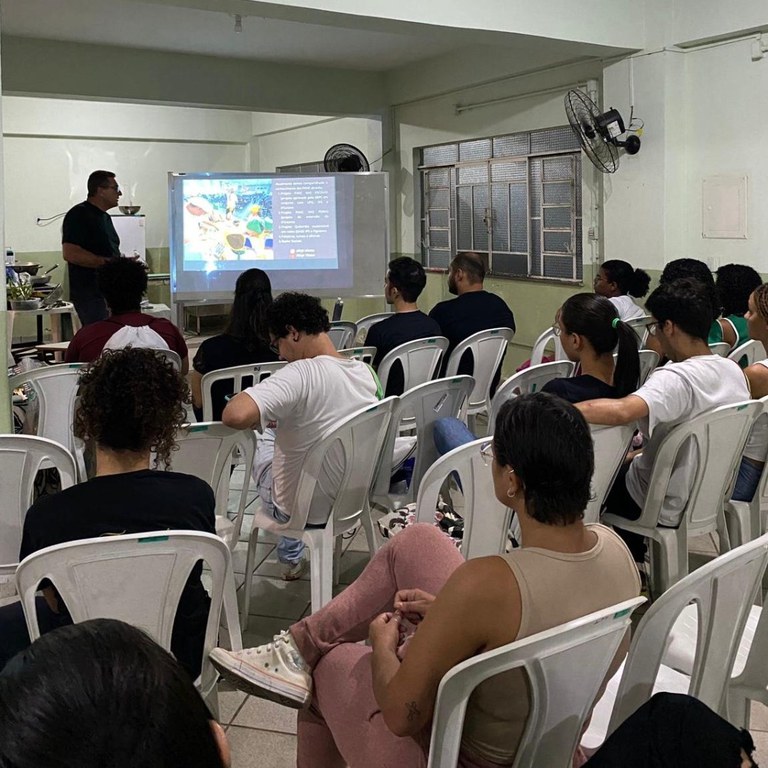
413 603
384 631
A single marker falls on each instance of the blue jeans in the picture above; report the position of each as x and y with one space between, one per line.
747 480
288 550
13 627
450 433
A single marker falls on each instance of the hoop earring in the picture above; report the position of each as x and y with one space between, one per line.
512 494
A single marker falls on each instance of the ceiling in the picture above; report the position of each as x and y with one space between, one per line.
189 30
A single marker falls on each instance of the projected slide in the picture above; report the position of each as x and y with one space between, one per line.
234 224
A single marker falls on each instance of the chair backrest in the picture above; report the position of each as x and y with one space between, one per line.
723 591
55 387
366 354
546 337
241 376
358 439
719 436
528 380
648 362
425 404
487 348
566 666
364 324
721 348
752 350
137 578
21 458
420 360
207 450
342 333
611 446
486 519
640 326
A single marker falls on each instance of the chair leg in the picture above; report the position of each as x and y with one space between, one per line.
373 539
321 576
250 567
337 560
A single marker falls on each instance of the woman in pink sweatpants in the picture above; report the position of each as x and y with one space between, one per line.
371 706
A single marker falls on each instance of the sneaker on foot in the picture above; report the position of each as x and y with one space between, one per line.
294 571
275 671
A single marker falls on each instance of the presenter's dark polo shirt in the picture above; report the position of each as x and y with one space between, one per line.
92 229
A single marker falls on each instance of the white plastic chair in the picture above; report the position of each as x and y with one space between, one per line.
565 665
137 578
546 338
425 404
55 387
528 380
487 348
364 324
420 360
366 354
360 437
640 326
649 360
171 356
719 436
486 519
21 458
720 593
342 333
752 350
746 520
241 376
721 348
208 450
611 445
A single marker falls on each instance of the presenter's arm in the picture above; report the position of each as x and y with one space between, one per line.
75 254
242 412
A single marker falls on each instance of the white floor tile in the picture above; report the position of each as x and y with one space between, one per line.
278 599
266 715
230 702
256 749
261 629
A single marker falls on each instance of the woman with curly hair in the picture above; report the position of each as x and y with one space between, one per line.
131 404
245 340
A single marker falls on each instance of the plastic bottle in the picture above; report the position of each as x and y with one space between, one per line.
10 257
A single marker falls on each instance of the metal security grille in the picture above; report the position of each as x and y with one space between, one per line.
516 198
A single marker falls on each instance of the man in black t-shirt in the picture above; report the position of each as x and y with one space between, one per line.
404 283
474 309
88 240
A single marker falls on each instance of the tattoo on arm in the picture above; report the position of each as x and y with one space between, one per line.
413 711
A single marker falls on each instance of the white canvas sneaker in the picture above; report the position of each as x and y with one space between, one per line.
275 671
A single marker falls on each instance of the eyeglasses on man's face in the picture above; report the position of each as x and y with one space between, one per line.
652 328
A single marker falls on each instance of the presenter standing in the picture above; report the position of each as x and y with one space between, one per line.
88 240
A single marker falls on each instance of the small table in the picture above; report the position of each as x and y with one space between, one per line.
56 348
67 308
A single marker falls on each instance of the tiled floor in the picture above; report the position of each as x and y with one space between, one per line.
264 734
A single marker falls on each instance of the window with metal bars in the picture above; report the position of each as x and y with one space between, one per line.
515 198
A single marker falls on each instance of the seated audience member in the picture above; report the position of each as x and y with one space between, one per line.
735 284
364 699
694 381
589 330
474 309
757 446
695 270
620 282
245 340
404 283
123 282
672 730
317 389
131 404
102 693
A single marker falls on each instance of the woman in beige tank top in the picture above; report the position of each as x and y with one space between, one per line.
364 701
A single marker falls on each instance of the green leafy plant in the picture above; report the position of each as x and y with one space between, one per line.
19 291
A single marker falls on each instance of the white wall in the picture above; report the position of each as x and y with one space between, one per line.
308 143
51 146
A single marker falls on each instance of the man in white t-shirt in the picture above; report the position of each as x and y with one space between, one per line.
694 381
294 407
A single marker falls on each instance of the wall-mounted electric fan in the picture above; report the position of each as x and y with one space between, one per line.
344 158
599 132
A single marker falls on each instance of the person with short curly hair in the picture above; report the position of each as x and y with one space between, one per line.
131 404
304 399
123 283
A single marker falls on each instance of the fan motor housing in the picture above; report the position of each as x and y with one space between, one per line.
610 124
